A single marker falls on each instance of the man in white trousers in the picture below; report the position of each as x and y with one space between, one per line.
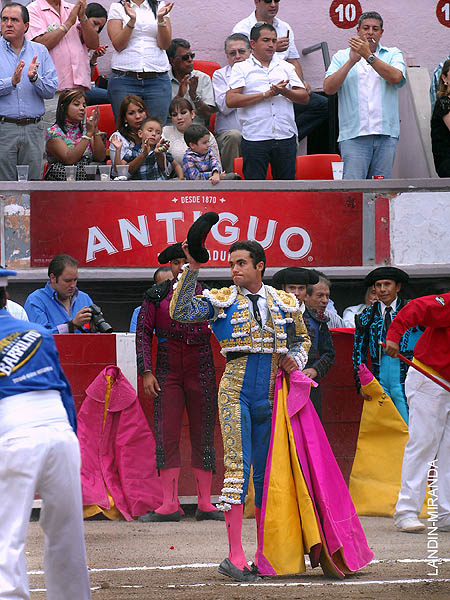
39 453
427 452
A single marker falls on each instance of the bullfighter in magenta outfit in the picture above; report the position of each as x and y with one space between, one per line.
184 376
371 327
259 329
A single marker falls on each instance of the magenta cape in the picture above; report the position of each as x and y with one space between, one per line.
117 452
313 515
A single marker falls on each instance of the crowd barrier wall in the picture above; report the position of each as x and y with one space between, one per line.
83 357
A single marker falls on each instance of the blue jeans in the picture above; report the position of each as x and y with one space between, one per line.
281 154
96 96
311 115
155 92
368 155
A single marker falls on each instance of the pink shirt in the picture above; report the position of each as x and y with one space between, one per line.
70 55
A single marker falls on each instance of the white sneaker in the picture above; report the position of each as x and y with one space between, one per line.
410 525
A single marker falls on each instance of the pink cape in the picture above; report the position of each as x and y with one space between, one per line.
343 539
118 455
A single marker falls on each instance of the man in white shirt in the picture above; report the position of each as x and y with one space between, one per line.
189 83
367 89
263 88
307 116
228 128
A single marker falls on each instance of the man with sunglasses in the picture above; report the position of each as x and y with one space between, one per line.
263 88
189 83
307 116
228 128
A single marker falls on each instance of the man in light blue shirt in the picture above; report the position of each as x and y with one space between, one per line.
60 306
27 76
366 77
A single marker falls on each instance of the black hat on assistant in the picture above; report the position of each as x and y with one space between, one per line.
171 253
391 273
295 276
197 235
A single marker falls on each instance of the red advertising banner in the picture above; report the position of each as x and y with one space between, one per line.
102 229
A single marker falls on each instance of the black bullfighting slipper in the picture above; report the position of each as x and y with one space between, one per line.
209 515
227 568
154 517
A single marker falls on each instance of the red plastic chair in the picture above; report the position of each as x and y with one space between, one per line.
238 166
106 121
316 166
212 123
206 66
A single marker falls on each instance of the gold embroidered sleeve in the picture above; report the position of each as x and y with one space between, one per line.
299 343
185 306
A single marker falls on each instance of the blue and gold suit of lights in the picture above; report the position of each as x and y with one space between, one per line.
247 386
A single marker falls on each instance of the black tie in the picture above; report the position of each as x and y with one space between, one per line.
387 317
256 313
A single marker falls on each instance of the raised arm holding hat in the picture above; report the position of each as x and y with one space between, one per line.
183 376
371 326
39 454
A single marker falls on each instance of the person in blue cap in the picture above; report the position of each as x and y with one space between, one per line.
39 454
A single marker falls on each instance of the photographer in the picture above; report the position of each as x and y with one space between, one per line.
60 306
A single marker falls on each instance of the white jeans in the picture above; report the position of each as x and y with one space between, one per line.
429 438
42 459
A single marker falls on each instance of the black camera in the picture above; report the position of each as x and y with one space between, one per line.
97 319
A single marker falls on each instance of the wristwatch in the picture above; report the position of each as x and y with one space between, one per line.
197 99
371 59
33 79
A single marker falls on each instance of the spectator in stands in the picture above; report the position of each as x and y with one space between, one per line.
321 355
264 98
132 113
440 124
199 161
350 312
67 33
318 298
149 159
315 112
189 83
60 306
436 78
69 141
182 114
227 129
140 32
27 77
97 16
160 275
367 89
14 309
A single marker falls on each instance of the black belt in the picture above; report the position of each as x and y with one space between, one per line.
233 355
22 121
138 75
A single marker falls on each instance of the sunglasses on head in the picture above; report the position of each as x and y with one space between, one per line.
187 56
240 51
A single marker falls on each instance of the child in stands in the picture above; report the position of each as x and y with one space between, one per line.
149 159
199 161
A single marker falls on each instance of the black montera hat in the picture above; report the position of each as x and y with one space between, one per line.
197 235
295 276
171 253
391 273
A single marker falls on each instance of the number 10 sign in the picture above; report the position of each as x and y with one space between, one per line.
345 13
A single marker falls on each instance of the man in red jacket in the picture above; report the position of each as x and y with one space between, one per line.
428 447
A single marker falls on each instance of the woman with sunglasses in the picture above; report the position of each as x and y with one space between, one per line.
140 32
69 141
